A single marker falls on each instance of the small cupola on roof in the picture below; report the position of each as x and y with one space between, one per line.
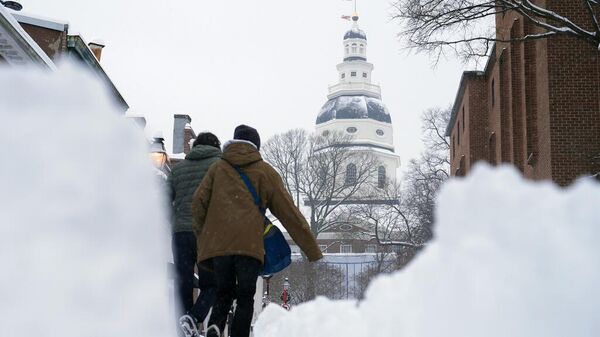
355 32
355 42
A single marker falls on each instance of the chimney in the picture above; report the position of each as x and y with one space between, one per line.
188 137
96 47
179 133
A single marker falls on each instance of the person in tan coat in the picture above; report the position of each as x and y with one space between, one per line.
229 226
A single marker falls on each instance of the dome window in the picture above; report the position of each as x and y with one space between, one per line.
362 48
381 177
347 49
354 48
343 75
350 174
379 132
351 129
365 75
353 73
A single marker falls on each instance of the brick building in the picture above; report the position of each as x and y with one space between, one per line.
28 40
536 104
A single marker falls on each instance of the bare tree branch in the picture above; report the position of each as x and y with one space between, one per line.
467 26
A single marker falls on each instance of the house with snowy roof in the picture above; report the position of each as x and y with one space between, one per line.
29 40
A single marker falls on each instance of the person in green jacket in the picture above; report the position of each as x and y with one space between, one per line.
182 183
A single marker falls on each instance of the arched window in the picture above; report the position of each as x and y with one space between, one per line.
347 48
381 176
350 174
354 47
362 48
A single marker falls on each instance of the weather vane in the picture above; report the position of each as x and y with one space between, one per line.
354 15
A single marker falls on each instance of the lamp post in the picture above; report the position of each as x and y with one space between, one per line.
15 6
267 294
285 296
158 153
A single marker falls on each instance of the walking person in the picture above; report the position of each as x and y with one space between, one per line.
182 183
229 226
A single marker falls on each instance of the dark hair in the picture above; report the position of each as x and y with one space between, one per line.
207 138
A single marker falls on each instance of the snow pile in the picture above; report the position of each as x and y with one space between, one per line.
511 258
83 241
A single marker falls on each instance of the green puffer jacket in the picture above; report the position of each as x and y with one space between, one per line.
183 181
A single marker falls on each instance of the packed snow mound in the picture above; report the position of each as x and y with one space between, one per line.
511 258
84 241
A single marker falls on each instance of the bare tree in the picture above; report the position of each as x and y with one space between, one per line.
467 26
287 153
403 224
324 174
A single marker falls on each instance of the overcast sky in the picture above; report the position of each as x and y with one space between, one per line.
266 63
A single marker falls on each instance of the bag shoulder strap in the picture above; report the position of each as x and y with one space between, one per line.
255 196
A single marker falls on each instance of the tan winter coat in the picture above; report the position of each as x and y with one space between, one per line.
226 219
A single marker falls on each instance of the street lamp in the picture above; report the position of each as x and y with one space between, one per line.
267 295
285 297
158 153
15 6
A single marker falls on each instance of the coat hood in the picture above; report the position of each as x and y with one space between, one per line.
240 152
199 152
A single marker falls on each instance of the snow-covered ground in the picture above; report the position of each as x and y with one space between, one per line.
511 258
83 241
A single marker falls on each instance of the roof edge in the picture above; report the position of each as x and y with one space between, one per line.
459 94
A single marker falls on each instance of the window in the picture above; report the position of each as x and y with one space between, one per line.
463 119
381 176
343 75
362 48
365 75
346 249
353 73
347 49
458 134
371 249
323 248
379 132
354 47
351 129
350 174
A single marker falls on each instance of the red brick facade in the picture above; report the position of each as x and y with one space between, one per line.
536 105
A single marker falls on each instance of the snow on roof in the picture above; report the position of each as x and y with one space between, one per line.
354 107
26 48
42 22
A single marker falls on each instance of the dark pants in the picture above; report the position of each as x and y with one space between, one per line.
236 279
184 256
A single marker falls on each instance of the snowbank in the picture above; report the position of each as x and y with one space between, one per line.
83 241
511 258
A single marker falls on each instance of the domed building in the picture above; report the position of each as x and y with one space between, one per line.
354 106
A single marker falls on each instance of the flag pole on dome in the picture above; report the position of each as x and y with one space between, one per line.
349 17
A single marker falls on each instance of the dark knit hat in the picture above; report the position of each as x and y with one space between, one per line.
245 132
207 138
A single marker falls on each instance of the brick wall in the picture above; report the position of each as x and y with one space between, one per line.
537 106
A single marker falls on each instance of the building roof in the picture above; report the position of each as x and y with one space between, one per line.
42 22
78 48
461 89
354 107
355 33
17 47
459 95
